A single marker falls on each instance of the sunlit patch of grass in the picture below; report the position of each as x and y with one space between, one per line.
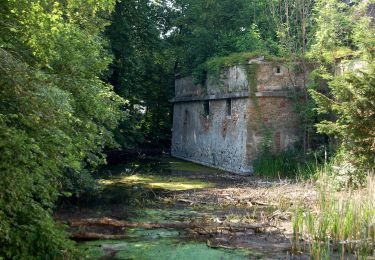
178 186
159 182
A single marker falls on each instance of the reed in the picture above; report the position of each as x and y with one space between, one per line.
342 224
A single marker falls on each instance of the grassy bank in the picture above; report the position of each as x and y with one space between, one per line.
287 163
342 224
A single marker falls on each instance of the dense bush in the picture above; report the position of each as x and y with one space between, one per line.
349 103
55 115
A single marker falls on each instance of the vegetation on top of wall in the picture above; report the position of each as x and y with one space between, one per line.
241 58
331 57
207 29
216 65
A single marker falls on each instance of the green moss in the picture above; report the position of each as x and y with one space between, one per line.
217 63
160 244
152 233
251 74
165 214
158 182
163 248
163 243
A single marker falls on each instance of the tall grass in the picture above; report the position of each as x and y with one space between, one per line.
286 164
341 226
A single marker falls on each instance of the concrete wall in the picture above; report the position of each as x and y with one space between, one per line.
215 140
232 143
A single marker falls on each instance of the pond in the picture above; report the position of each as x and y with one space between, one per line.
164 190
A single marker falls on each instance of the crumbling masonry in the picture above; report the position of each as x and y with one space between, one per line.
225 122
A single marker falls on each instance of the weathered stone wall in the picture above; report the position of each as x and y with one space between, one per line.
274 76
350 66
185 87
216 140
233 79
276 117
269 76
233 142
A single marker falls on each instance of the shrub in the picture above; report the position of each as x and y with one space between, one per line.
55 115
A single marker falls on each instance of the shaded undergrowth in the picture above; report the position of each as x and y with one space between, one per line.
287 163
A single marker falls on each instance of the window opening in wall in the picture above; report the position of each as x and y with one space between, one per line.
229 107
278 70
185 126
206 107
186 117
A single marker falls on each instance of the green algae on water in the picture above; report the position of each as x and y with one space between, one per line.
164 248
164 215
158 182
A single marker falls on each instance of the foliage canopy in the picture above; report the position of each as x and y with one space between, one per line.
56 115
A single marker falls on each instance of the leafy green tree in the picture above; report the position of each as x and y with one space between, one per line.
252 41
334 29
350 100
56 115
294 23
142 70
205 29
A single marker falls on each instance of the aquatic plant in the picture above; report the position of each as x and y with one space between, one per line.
343 222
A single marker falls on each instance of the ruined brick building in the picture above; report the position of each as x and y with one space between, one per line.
224 122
